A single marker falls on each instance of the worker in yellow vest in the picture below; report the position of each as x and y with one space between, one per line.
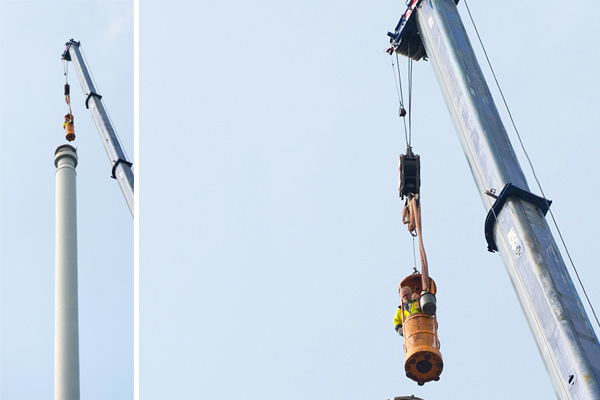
410 305
68 120
69 127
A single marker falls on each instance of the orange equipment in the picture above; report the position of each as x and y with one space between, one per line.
69 127
422 357
69 119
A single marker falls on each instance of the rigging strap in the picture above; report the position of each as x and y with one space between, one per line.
411 216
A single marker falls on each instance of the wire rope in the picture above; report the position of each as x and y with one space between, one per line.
410 87
530 164
414 256
400 91
67 96
410 218
66 71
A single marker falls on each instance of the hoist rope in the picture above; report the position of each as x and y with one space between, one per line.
398 80
530 164
411 212
66 70
68 96
414 257
410 80
400 91
411 216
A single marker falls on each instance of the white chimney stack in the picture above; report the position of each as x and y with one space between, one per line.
66 330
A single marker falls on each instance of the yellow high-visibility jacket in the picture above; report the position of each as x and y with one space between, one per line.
413 308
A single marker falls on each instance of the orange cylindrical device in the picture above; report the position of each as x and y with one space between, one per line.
69 127
422 357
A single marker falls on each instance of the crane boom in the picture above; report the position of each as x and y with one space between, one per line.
121 166
516 224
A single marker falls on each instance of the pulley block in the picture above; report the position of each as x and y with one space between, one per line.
409 174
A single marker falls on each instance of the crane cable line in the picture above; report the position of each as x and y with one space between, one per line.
67 90
69 122
400 91
407 135
66 71
531 165
410 81
415 271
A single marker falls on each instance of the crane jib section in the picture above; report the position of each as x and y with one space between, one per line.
553 309
121 166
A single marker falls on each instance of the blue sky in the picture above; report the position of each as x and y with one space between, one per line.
282 247
270 235
32 39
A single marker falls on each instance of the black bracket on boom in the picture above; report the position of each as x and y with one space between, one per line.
114 168
409 173
88 98
508 191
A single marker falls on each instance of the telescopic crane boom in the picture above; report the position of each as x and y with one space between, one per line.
121 167
516 226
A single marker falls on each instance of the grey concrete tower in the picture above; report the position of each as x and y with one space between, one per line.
66 328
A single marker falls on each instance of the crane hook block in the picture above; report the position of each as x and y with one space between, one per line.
69 127
409 174
422 358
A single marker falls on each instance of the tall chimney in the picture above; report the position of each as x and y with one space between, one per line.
66 329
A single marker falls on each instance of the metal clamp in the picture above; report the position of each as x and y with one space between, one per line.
89 96
508 191
116 164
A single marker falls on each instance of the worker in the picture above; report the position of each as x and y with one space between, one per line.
68 120
410 305
69 127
